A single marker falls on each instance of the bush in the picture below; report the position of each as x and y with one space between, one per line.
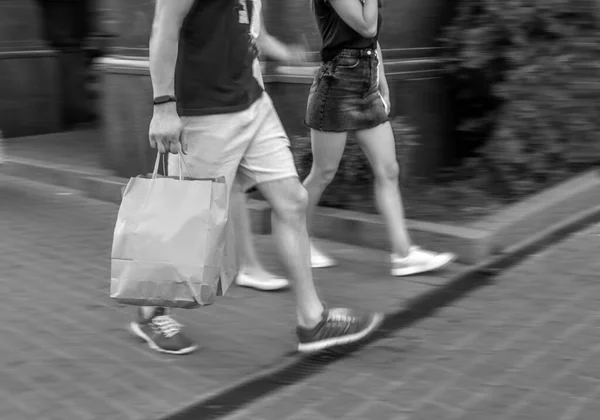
526 80
352 188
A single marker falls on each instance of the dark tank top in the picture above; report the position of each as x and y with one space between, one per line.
214 64
337 34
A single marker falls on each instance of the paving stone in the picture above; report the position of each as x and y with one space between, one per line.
523 348
62 333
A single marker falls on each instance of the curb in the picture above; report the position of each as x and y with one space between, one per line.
344 226
229 399
472 243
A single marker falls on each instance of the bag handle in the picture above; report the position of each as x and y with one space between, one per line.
161 157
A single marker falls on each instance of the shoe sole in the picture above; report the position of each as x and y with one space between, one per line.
341 341
141 334
327 264
260 286
436 265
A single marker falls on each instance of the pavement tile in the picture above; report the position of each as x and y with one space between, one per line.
61 331
525 347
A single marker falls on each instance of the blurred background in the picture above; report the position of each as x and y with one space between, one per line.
491 101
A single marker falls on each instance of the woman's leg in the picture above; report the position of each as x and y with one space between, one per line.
251 273
327 149
380 148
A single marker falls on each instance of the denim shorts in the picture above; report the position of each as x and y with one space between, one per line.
345 94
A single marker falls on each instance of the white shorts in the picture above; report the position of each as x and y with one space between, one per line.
249 147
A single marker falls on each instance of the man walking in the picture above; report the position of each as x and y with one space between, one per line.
209 105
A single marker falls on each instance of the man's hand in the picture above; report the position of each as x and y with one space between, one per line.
165 129
297 54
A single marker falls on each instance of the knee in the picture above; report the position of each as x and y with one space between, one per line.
324 174
298 200
294 205
387 172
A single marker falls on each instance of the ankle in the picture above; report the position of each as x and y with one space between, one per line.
401 253
310 320
249 267
147 311
309 324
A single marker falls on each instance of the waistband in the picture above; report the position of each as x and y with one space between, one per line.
358 53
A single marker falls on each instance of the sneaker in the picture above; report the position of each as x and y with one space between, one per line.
338 327
319 259
162 333
264 283
419 261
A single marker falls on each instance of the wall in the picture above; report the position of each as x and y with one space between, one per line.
411 59
29 73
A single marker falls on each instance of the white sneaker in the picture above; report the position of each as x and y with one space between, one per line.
319 259
265 284
419 261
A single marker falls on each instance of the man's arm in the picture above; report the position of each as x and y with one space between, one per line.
164 43
277 50
165 126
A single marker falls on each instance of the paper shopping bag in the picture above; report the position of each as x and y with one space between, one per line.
169 241
229 264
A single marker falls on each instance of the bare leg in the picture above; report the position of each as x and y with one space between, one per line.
251 272
288 200
246 253
379 146
327 149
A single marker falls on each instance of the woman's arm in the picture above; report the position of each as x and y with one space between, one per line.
384 88
382 79
359 15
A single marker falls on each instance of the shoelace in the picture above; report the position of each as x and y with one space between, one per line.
167 325
335 316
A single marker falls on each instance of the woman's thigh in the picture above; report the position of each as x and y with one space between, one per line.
327 148
379 146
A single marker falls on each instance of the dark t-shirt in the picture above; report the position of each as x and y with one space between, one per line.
216 53
337 34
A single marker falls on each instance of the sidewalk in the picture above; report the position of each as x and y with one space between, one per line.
525 348
65 351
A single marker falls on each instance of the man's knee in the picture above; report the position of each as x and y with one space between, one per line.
298 199
288 198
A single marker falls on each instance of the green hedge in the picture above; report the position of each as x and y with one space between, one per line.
525 75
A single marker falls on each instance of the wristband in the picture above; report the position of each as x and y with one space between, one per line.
164 99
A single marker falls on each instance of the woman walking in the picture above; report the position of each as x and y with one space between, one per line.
350 94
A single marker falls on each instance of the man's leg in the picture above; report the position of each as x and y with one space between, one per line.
289 201
268 162
251 272
214 145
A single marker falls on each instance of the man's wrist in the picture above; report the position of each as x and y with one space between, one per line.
165 108
164 99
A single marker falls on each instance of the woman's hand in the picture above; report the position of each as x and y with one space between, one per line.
384 90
